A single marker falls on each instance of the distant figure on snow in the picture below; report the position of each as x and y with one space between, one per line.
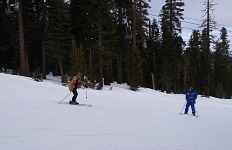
73 85
191 97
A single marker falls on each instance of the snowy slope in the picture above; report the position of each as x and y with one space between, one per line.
119 119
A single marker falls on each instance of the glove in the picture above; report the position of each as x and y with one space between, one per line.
86 86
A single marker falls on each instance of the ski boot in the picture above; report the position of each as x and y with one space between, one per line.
73 102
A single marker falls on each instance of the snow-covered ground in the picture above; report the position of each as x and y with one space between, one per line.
119 119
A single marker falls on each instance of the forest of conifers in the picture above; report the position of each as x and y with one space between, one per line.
116 40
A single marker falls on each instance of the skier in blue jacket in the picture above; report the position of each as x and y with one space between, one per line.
191 97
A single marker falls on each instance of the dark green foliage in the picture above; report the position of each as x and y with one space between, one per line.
192 61
93 29
8 39
57 35
101 49
77 61
65 80
149 56
171 46
222 78
205 65
37 75
136 70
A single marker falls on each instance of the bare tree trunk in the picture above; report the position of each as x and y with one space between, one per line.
61 70
120 68
100 45
107 75
43 59
44 67
151 30
120 50
24 65
128 61
153 81
134 26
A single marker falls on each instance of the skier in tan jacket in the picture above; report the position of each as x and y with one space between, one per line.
73 85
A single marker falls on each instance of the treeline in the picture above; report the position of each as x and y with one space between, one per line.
115 40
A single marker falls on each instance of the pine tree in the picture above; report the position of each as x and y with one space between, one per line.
35 21
151 56
208 25
32 33
6 54
136 70
192 61
122 16
221 67
77 60
138 34
205 65
92 26
57 36
172 45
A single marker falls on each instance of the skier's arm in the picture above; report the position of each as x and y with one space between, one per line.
195 95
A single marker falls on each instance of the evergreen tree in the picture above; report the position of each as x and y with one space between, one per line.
32 34
6 54
136 70
142 30
205 65
92 26
121 20
57 36
192 61
221 67
138 39
35 20
172 44
151 57
77 60
207 37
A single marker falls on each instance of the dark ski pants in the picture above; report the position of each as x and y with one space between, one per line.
192 107
74 94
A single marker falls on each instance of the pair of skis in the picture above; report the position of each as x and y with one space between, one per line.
192 115
196 114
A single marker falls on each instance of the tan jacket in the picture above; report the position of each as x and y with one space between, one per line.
72 84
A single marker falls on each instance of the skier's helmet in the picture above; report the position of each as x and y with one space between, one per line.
190 89
79 75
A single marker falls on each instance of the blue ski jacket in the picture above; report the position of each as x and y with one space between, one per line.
191 97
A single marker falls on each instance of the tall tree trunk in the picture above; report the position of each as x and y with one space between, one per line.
134 26
120 67
61 70
24 65
128 61
120 49
44 67
152 30
100 45
153 81
43 59
107 78
208 45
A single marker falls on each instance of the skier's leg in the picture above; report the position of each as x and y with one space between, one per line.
74 95
193 109
186 108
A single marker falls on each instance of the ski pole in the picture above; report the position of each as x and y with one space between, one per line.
64 98
182 108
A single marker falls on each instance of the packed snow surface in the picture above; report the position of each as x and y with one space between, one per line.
118 119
